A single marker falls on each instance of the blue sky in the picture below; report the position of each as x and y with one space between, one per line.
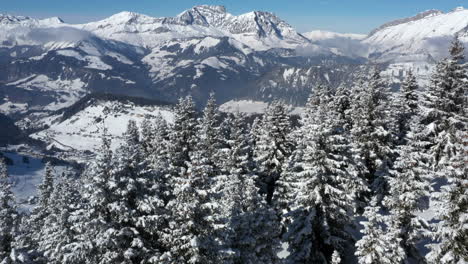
357 16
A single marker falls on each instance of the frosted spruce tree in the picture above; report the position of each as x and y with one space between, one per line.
445 117
8 215
29 236
381 243
443 103
209 134
452 232
159 141
124 214
189 236
373 141
273 147
182 137
409 190
250 228
147 134
342 106
405 107
324 180
95 218
58 233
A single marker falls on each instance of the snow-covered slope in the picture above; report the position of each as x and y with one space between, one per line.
259 30
82 129
425 36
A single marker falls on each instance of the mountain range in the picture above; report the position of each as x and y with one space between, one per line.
48 64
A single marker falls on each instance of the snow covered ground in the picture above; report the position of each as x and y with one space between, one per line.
83 131
26 174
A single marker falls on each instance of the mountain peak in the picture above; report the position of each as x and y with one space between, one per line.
427 13
52 20
212 8
10 19
127 17
203 15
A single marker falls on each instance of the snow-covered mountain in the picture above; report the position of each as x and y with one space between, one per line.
259 30
425 36
48 64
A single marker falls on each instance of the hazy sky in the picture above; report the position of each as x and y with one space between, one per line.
356 16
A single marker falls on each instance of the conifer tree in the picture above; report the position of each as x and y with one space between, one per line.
445 117
452 232
443 105
182 137
46 188
124 214
190 231
8 215
326 181
381 242
250 229
372 138
58 231
159 159
409 98
273 146
341 104
409 190
147 134
134 212
29 232
90 247
209 134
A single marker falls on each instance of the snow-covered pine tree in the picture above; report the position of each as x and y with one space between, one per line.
409 191
46 188
29 232
250 228
445 117
443 104
326 181
209 134
371 132
409 100
286 187
182 137
342 106
95 218
8 215
132 217
452 231
147 134
159 159
255 129
273 147
189 235
381 242
57 232
123 212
